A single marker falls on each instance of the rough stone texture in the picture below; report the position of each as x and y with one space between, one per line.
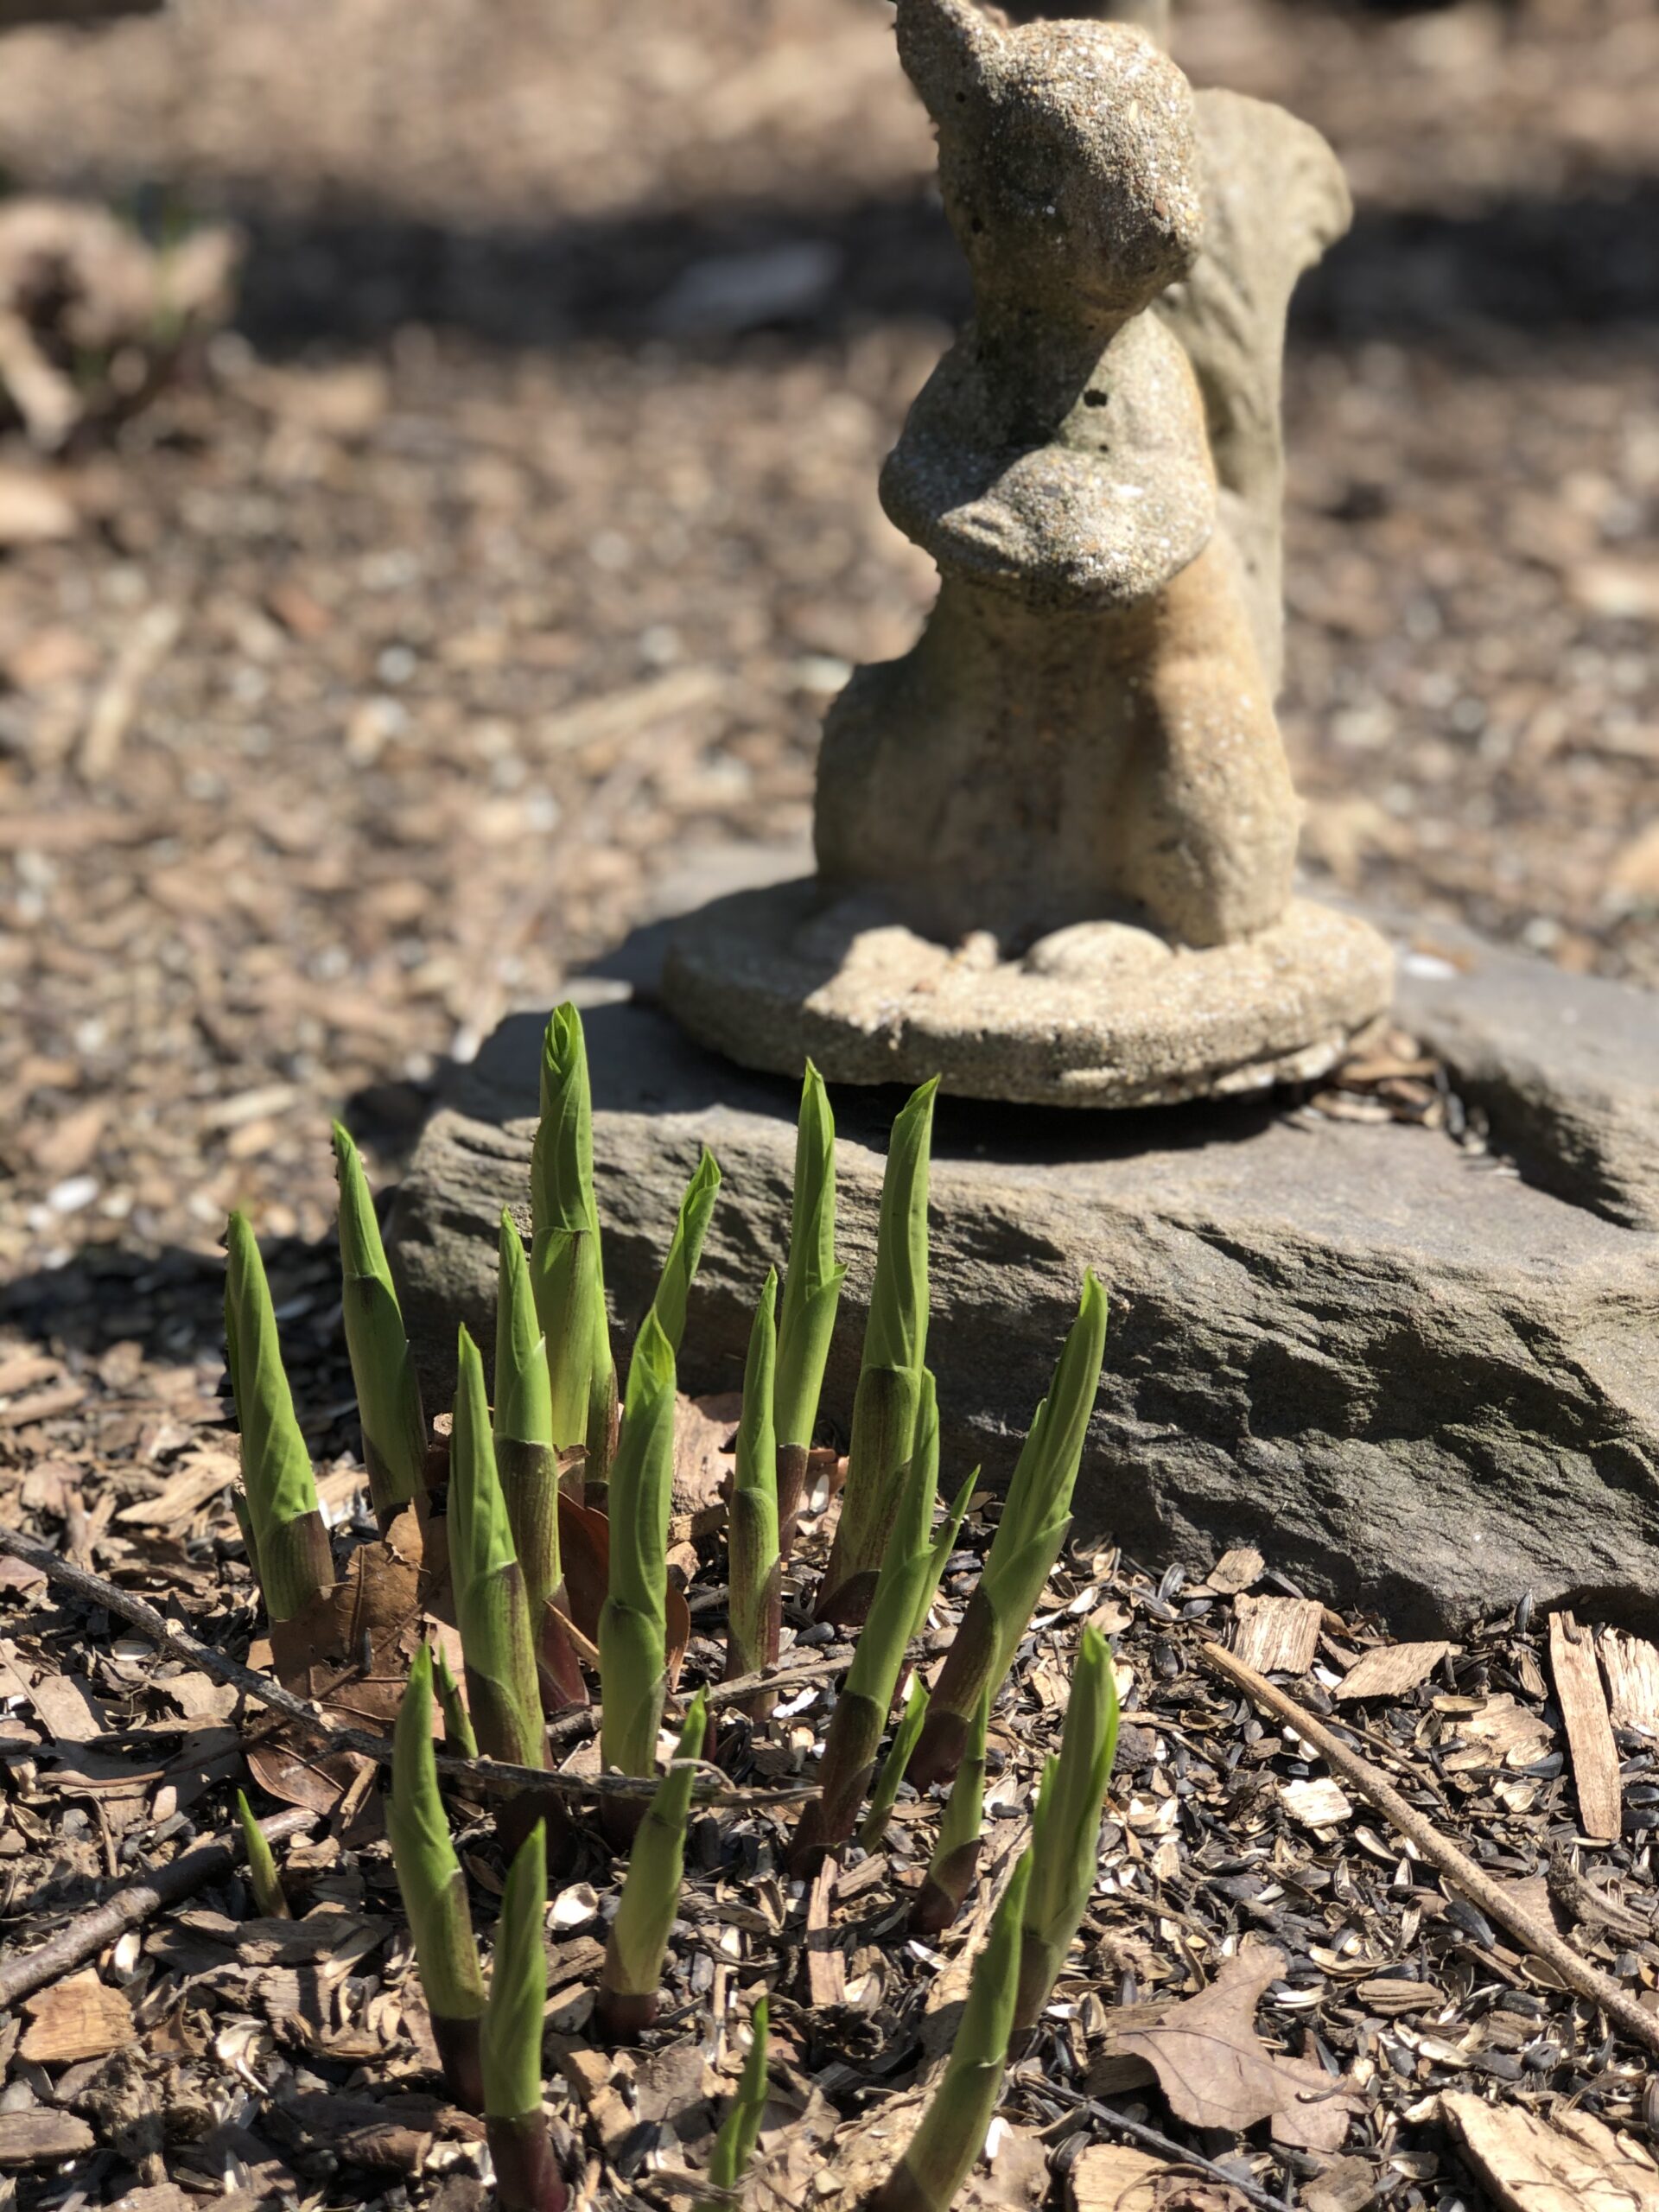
1099 1015
1083 740
1416 1379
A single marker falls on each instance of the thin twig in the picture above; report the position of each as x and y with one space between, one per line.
491 1775
134 1904
1497 1902
1151 2140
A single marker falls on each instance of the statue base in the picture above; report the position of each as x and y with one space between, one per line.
1102 1014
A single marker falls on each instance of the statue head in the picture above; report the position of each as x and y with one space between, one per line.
1066 157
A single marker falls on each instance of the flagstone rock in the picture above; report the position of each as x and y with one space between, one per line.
1416 1376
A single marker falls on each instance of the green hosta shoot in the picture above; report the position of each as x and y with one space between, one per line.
526 2178
457 1721
1065 1834
889 1383
284 1526
566 1271
674 1290
955 1854
638 1943
434 1890
632 1621
524 1455
383 1367
873 1827
754 1605
263 1879
811 1297
491 1604
741 2129
860 1717
1026 1544
942 2152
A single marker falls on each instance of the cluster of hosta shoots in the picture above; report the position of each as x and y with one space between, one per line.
552 1447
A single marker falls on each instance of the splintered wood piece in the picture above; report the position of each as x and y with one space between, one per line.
1115 2178
1633 1670
826 1969
1319 1803
40 2138
1589 1731
1277 1636
1235 1570
1531 2164
1391 1670
77 2019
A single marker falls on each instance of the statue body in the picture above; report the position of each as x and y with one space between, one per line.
1067 810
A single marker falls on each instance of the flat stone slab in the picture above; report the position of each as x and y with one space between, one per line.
1419 1377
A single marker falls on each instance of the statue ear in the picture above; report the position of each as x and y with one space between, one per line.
950 51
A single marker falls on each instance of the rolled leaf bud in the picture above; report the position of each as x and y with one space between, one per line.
860 1718
873 1828
1065 1834
291 1548
435 1891
527 2179
503 1693
632 1975
755 1603
263 1879
525 1456
889 1383
1024 1549
741 2129
942 2152
565 1266
811 1297
457 1721
955 1854
674 1290
383 1366
632 1621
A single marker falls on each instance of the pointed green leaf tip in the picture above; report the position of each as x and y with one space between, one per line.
512 2042
383 1367
956 2122
524 1395
429 1872
674 1290
754 1605
741 2129
897 1333
275 1465
561 1162
263 1877
812 1281
481 1535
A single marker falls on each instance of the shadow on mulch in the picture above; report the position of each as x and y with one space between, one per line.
359 272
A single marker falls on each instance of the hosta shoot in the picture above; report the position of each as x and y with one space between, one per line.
955 1862
889 1383
527 2179
492 1607
685 1249
812 1284
754 1603
632 1621
263 1879
1065 1832
289 1541
1024 1549
383 1366
638 1943
741 2129
566 1270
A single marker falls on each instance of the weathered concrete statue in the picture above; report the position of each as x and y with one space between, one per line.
1056 841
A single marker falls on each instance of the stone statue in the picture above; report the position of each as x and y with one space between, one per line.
1055 840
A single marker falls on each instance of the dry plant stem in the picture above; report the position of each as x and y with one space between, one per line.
133 1905
1150 2139
1497 1902
491 1775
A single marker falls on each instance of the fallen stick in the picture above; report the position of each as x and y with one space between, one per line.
1497 1902
131 1906
491 1775
1150 2139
